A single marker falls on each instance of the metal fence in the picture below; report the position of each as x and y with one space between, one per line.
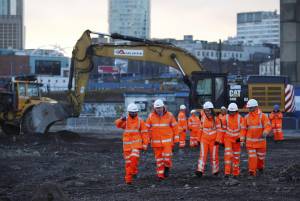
92 124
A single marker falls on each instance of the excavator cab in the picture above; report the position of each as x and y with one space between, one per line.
206 86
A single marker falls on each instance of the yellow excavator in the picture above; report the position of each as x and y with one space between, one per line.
203 85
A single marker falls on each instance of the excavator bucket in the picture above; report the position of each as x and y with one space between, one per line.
44 115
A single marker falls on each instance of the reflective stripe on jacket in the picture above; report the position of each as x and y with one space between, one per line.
194 123
276 120
135 133
235 127
163 129
209 128
256 123
182 122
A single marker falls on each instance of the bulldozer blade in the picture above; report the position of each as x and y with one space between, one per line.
46 114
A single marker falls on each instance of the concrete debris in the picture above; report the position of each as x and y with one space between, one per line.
290 173
232 182
50 192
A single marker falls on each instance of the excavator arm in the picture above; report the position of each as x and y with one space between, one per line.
44 115
138 50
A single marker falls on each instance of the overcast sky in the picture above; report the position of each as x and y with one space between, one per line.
61 22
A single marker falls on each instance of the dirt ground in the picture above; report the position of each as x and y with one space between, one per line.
83 167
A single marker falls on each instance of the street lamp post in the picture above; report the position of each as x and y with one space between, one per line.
273 47
274 63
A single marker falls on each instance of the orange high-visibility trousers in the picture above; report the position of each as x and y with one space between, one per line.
182 136
163 158
214 157
278 134
232 157
194 138
256 159
131 164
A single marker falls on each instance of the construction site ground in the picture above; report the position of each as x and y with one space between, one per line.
90 167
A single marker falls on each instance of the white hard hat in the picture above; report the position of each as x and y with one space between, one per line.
158 103
232 107
252 103
193 111
182 107
132 108
208 105
223 108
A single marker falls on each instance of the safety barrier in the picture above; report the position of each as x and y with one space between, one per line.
92 124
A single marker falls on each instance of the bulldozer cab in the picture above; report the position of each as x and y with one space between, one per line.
25 91
17 92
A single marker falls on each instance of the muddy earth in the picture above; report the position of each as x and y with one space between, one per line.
69 166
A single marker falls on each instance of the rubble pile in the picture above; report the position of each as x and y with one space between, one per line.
290 173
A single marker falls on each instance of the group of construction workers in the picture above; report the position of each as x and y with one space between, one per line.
206 129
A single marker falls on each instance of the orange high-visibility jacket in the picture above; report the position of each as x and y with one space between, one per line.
135 133
182 122
234 128
194 123
222 117
256 123
209 128
276 119
163 129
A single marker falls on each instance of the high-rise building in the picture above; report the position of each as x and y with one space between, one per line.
130 17
290 40
258 28
11 24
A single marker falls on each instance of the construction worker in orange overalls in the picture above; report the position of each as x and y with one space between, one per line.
257 128
182 126
276 122
163 130
194 127
234 129
135 137
209 127
222 115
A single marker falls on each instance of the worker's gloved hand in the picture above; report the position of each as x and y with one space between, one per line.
145 147
265 134
238 140
123 118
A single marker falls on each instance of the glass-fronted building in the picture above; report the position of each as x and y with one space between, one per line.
11 24
258 28
130 17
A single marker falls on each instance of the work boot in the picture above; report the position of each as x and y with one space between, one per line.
235 176
226 176
216 174
166 171
261 171
128 182
251 176
199 173
159 179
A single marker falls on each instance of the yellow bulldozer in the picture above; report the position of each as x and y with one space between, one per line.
18 96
